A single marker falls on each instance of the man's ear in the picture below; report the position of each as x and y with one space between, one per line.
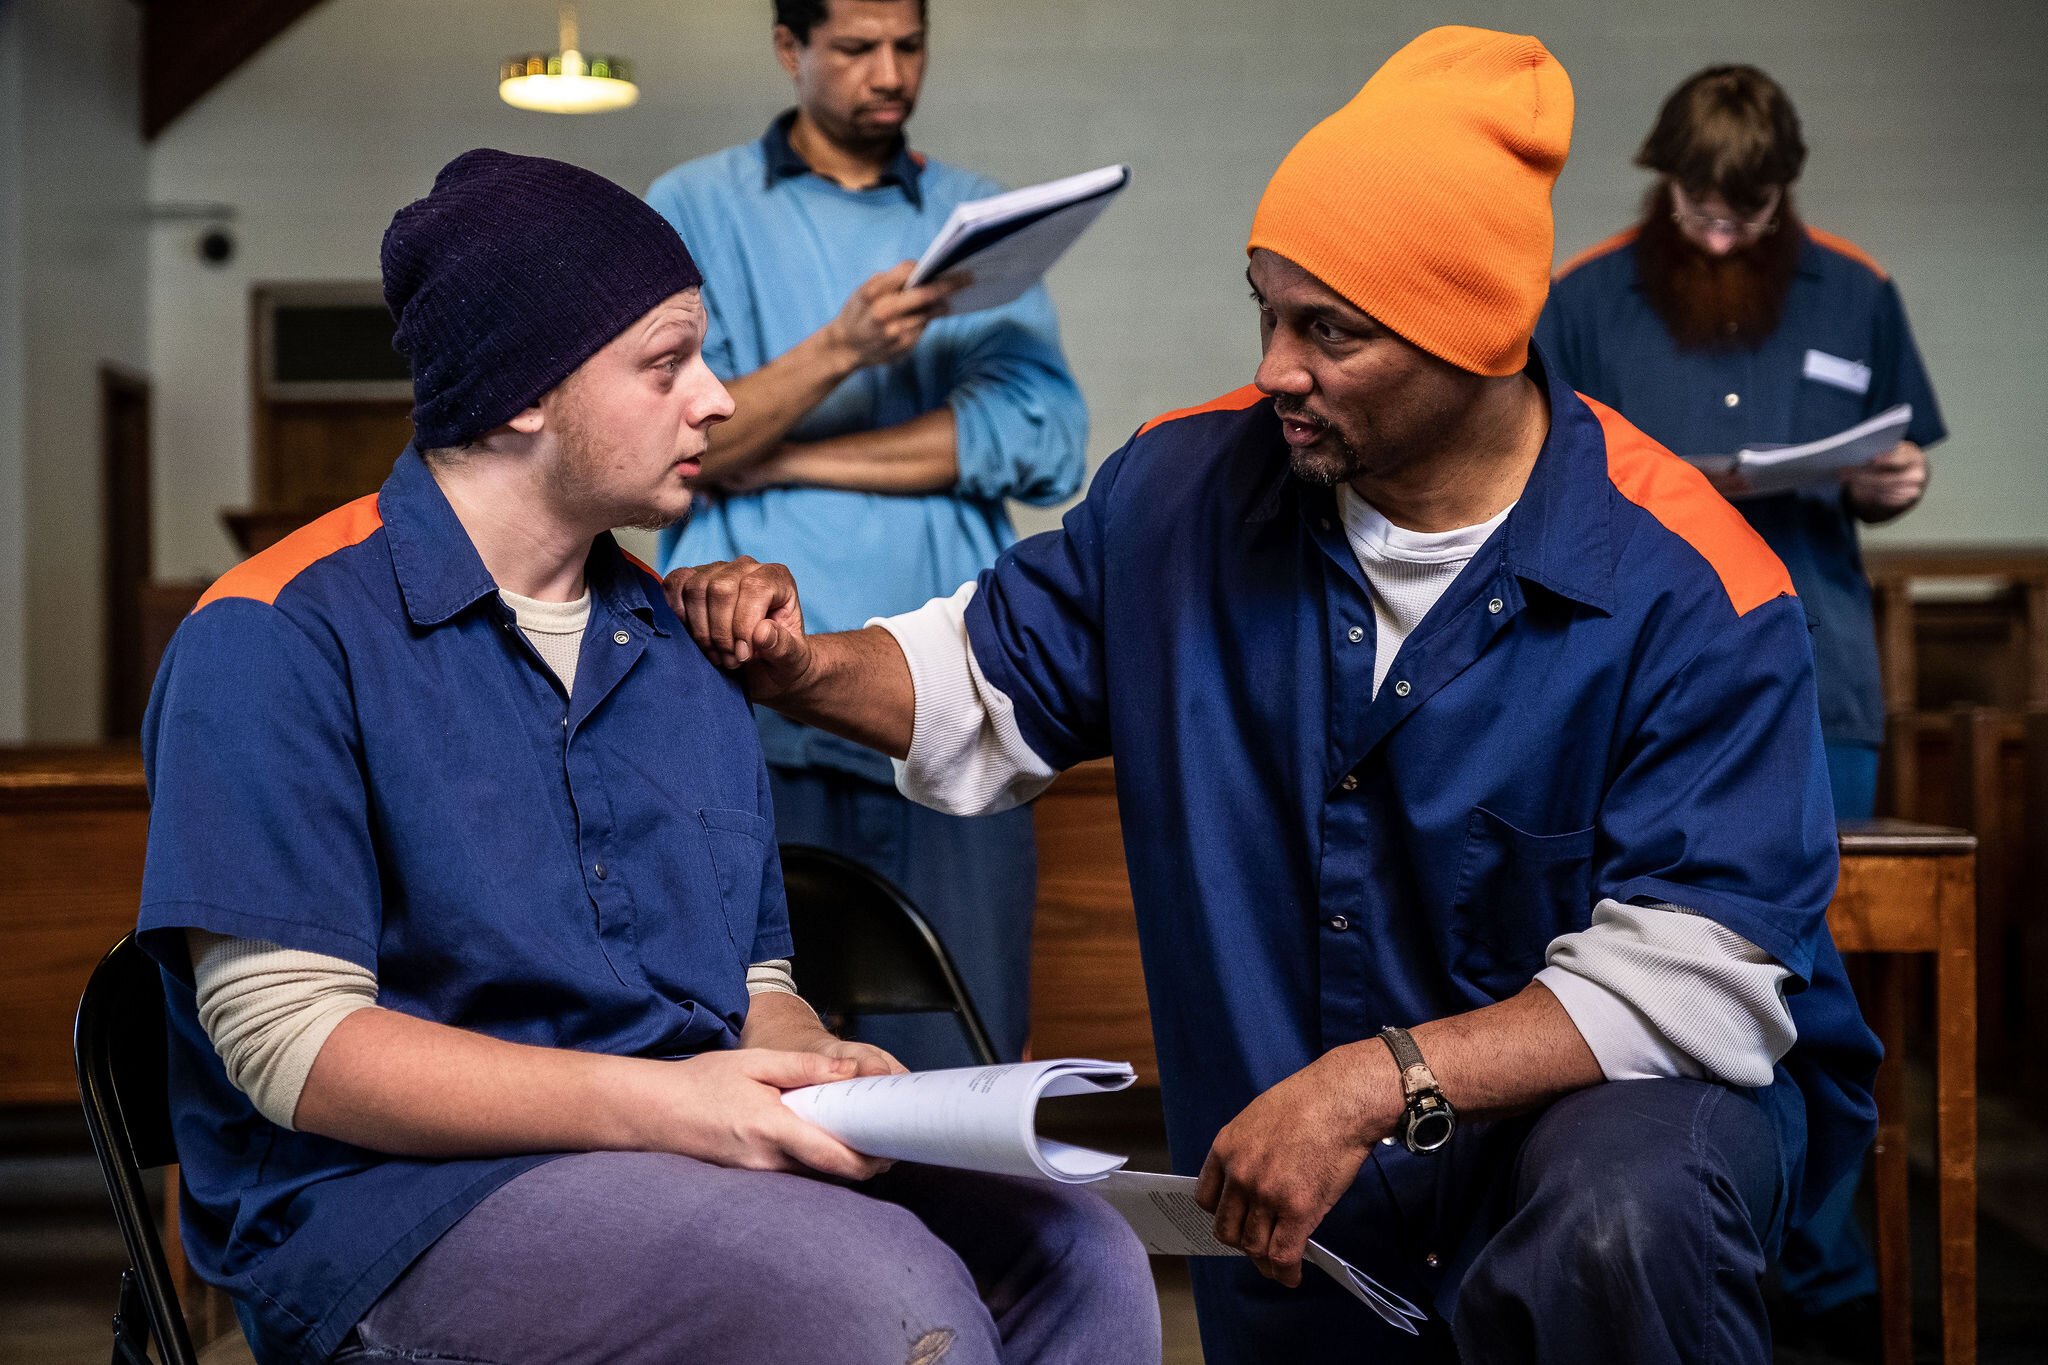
528 421
786 48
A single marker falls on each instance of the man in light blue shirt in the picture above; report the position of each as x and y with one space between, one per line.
873 448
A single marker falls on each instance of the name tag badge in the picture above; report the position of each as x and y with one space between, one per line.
1843 374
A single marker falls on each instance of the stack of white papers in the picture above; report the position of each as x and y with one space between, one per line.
1162 1210
979 1118
985 1118
1008 241
1775 469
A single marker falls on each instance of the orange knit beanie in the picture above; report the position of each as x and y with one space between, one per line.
1425 201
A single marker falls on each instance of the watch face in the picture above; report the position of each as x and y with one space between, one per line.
1428 1132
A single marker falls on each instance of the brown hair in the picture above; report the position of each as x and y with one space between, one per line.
1728 130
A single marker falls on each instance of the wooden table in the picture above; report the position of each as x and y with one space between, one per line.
1905 889
1908 889
73 823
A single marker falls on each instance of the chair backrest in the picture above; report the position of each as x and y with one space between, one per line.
119 1045
866 949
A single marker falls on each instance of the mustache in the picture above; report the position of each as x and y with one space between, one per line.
1294 410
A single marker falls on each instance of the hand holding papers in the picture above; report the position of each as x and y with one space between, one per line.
1162 1210
1775 469
1008 241
979 1118
985 1119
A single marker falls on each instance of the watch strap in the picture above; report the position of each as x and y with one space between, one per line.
1416 1077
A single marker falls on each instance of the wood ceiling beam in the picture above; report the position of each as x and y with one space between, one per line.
191 46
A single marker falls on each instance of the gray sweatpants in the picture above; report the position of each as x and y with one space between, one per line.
626 1257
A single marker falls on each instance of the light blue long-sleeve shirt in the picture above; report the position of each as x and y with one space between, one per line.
781 249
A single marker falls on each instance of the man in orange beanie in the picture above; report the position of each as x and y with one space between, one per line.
1469 769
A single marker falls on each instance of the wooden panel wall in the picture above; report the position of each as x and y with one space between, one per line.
73 824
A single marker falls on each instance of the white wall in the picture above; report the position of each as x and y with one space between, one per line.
13 525
72 171
1927 124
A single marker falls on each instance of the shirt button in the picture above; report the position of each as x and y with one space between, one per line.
1339 923
1355 634
619 637
1733 400
1401 688
1430 1260
1495 605
1350 782
1323 523
598 868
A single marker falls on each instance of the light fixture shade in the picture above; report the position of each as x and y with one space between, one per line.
567 82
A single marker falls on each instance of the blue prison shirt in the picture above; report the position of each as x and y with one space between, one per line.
352 750
1609 343
781 250
1614 699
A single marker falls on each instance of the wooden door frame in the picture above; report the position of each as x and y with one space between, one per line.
126 551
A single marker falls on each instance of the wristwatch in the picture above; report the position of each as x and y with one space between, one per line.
1427 1119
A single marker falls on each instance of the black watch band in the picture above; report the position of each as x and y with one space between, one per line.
1427 1119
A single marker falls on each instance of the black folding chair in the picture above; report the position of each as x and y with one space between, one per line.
119 1045
866 950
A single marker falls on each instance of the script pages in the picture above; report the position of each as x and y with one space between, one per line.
985 1118
1776 469
1162 1210
1008 241
979 1118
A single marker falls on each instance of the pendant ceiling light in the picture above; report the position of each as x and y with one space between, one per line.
567 81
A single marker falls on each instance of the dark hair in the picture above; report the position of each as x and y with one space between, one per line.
799 16
1728 130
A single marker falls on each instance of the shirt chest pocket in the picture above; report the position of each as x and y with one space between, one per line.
1516 892
737 841
1832 396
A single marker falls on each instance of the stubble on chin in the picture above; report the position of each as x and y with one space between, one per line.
1329 462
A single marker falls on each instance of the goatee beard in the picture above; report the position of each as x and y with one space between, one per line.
1312 465
1716 302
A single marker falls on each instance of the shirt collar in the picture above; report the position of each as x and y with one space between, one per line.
905 169
1558 535
440 574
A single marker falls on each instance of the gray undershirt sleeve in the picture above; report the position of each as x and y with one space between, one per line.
269 1010
1659 991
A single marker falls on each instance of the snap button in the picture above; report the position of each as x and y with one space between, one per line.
1339 923
1430 1260
1733 400
620 637
598 868
1401 688
1495 605
1355 634
1350 783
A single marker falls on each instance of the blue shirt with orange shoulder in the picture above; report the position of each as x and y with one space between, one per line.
1842 352
1614 699
352 750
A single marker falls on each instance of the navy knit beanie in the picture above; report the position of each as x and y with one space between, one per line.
513 271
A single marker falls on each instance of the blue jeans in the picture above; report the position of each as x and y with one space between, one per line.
975 880
642 1258
1630 1221
1852 773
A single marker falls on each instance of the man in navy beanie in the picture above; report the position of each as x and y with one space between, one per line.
463 878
